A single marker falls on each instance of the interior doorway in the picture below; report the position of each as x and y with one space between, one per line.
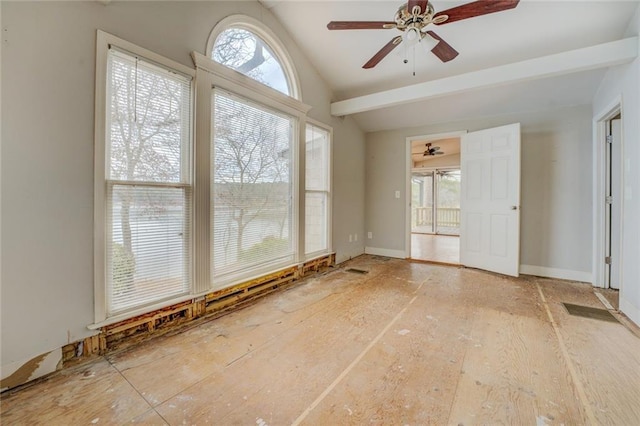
608 204
613 201
434 187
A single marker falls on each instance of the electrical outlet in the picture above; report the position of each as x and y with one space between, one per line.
355 237
350 238
397 194
369 235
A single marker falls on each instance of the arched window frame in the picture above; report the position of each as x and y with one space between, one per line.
210 76
260 30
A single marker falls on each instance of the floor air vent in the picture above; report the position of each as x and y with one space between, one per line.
357 271
588 312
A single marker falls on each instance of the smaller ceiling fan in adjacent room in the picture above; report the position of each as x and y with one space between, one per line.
413 18
430 151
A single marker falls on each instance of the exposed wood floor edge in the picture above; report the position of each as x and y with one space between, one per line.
575 380
434 262
620 316
604 301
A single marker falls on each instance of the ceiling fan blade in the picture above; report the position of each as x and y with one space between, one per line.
438 153
421 3
435 148
443 50
476 8
361 25
383 52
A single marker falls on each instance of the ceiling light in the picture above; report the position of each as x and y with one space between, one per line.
411 35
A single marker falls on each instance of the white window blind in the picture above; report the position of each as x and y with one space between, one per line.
317 186
252 200
148 177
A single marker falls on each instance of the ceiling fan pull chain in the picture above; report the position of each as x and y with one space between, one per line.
413 59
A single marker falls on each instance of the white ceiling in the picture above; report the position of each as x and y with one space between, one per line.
533 29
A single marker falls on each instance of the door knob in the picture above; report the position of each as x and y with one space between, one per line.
514 207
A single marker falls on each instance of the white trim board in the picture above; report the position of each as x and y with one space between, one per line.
561 274
632 312
399 254
589 58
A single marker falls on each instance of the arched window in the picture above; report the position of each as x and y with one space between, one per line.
245 45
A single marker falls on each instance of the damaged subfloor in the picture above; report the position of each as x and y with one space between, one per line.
405 343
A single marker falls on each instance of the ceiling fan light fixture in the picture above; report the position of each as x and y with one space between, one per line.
412 21
411 36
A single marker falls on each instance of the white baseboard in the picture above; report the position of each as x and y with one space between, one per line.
562 274
632 312
385 252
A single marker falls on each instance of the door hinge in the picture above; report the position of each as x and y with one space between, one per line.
609 139
607 260
608 199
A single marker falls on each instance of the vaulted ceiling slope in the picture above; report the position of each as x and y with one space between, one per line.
534 29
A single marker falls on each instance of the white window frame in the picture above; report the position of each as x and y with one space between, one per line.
329 191
210 75
232 277
258 28
207 75
103 42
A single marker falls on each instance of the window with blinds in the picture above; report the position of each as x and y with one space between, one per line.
317 186
148 179
252 198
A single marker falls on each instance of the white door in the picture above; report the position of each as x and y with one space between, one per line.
490 201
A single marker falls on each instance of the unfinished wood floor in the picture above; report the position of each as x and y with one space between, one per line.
407 343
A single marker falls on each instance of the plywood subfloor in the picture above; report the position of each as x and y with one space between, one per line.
436 248
407 343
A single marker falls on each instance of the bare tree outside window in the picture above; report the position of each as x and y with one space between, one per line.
251 184
247 53
147 129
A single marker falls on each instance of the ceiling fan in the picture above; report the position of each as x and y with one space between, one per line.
432 151
413 19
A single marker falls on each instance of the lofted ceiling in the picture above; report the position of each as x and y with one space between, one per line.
533 29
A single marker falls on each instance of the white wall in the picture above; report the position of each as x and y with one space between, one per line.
624 82
48 62
555 193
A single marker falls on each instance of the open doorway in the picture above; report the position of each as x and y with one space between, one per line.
435 199
608 203
613 200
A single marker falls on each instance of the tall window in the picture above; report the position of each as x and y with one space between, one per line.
148 133
252 186
317 185
171 224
